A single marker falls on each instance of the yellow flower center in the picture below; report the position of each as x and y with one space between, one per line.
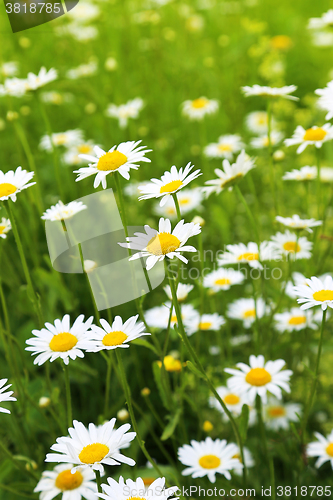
171 187
139 498
84 148
248 256
258 377
205 325
209 462
231 399
93 453
67 481
114 338
238 456
314 134
7 189
251 313
171 211
290 246
329 450
163 243
297 320
184 201
323 295
111 161
173 318
60 139
233 180
63 342
281 42
2 228
224 148
276 411
199 103
222 281
171 364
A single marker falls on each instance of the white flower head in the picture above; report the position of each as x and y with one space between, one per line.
257 122
5 227
15 87
315 292
249 253
158 317
92 447
5 396
325 100
42 78
118 334
119 158
323 22
60 340
208 458
225 147
294 320
259 378
312 136
233 401
222 279
127 490
125 111
264 91
83 70
199 108
68 139
204 323
248 459
263 141
60 211
170 183
278 415
303 174
292 246
73 152
9 68
323 449
296 223
188 200
247 310
156 245
12 183
182 291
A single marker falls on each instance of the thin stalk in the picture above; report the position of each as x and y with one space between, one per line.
270 156
175 199
98 481
68 397
249 214
318 180
107 384
121 203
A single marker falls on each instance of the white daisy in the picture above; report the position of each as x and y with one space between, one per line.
296 223
89 265
12 183
315 292
188 200
265 91
208 458
326 174
182 291
119 158
68 139
59 211
42 78
263 142
71 156
92 446
5 227
294 320
277 414
127 490
233 401
312 136
304 174
170 183
248 458
5 396
75 486
84 12
15 87
199 108
83 70
245 310
249 254
231 175
158 317
9 68
222 279
259 378
156 245
297 279
205 322
57 98
125 111
323 449
60 340
325 100
117 335
292 246
325 21
225 147
257 122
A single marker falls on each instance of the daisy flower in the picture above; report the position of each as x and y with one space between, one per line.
231 174
294 320
298 279
68 139
9 68
304 174
75 486
323 22
60 340
158 317
15 87
85 12
326 174
5 227
44 77
83 70
263 141
257 122
225 147
233 401
208 458
205 322
182 291
315 292
170 183
249 253
292 246
119 158
188 200
156 245
127 490
125 111
265 91
62 212
222 279
323 449
72 155
248 458
12 183
117 335
245 310
325 100
5 396
296 223
314 135
89 265
93 447
277 414
259 378
199 108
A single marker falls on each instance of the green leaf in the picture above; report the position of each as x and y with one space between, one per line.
144 343
244 422
158 379
171 426
194 369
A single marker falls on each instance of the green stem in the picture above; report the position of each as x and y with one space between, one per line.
68 396
98 481
175 199
249 214
107 384
270 156
318 180
121 203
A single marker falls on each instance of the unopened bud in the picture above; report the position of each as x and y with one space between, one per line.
145 392
44 402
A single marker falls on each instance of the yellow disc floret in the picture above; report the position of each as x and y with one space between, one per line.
205 325
258 377
297 320
276 411
222 281
209 462
171 187
248 256
314 134
63 342
163 243
6 189
114 338
67 481
199 103
111 161
93 453
291 246
231 399
329 450
323 295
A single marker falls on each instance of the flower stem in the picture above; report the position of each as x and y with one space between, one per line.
107 383
175 199
68 396
98 481
249 214
270 156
